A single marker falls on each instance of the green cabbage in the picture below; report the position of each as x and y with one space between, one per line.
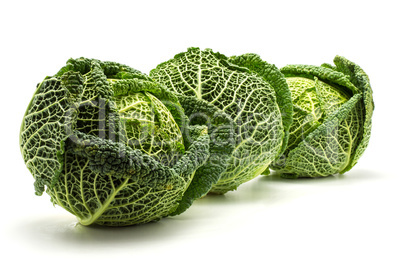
332 112
255 104
107 143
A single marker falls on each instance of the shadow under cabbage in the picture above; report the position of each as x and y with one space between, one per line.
59 230
353 176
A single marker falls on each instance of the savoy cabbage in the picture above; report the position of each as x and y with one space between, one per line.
107 143
260 107
332 112
116 147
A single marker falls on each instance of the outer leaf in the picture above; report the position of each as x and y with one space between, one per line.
327 149
110 69
276 79
248 99
361 80
324 73
46 124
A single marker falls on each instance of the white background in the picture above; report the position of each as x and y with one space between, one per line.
354 217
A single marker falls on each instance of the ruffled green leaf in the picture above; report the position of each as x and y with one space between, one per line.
361 80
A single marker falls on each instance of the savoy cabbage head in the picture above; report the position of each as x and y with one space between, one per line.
332 112
259 107
110 145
